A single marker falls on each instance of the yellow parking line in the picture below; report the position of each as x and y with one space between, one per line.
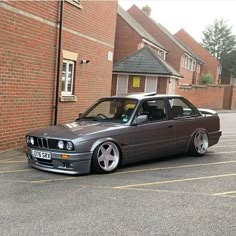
222 146
227 140
9 162
14 171
173 181
173 167
218 153
50 180
224 193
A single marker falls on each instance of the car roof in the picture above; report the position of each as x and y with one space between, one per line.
141 96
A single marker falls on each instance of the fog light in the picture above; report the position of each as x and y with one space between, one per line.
60 144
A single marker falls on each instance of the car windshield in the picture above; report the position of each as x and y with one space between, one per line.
117 110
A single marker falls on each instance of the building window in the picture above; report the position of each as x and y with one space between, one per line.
76 3
182 60
188 63
219 69
67 78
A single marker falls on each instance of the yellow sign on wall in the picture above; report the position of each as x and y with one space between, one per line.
136 82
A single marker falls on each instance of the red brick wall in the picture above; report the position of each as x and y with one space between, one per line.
126 40
211 97
210 63
28 49
233 103
175 53
140 89
188 76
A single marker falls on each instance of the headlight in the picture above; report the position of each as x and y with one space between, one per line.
27 139
60 144
32 140
69 146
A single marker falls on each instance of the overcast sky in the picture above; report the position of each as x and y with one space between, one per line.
192 15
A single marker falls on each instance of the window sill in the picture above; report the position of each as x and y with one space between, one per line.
71 98
75 3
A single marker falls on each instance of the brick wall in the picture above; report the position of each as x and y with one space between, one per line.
188 76
126 40
233 103
212 97
28 52
140 89
210 63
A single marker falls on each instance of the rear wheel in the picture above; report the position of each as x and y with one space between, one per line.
199 143
106 158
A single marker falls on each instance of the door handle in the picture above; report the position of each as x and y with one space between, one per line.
170 126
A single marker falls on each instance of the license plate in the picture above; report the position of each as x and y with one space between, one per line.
42 155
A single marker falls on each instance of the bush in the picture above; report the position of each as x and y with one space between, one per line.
207 78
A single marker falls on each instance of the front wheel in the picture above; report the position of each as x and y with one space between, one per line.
199 143
106 158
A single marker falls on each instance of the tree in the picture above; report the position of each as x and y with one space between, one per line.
207 78
229 64
218 39
221 43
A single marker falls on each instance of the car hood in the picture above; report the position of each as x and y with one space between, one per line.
76 129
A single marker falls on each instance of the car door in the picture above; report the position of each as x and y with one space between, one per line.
155 137
185 120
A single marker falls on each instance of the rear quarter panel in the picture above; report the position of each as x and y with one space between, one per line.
187 127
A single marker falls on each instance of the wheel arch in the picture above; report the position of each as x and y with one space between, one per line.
99 142
107 139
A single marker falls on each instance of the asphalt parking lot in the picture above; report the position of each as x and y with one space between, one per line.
180 195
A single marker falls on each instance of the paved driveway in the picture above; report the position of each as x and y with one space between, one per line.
180 195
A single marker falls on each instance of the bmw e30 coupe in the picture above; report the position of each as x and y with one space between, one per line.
123 129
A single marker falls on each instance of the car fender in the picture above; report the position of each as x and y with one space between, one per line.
192 135
102 140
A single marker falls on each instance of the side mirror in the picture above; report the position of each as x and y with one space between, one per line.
141 119
80 114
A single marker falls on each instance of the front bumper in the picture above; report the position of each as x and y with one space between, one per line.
76 164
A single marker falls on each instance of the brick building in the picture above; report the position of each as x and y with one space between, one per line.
211 64
179 55
137 70
29 42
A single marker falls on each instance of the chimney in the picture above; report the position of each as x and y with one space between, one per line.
147 10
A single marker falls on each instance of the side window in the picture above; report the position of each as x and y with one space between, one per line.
155 109
67 78
180 108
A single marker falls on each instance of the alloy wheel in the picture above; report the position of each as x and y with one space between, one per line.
108 156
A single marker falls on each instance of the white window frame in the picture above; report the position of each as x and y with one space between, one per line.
146 79
126 77
188 63
76 3
68 62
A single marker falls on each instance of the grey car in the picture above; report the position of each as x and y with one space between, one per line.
123 129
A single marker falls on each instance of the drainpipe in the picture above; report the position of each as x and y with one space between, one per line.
58 61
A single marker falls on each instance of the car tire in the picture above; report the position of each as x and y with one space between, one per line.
199 143
106 158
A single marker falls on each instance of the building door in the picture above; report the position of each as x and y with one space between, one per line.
122 84
150 84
